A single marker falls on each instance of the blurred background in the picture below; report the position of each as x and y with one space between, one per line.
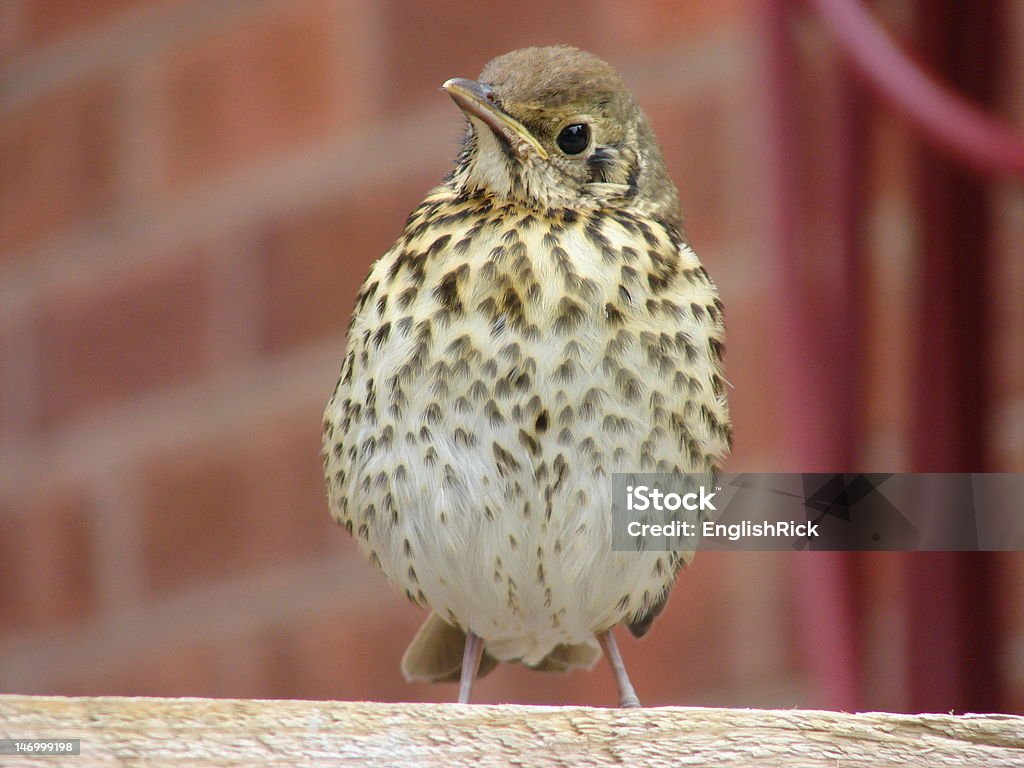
191 192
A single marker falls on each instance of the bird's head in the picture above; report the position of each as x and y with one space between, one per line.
555 128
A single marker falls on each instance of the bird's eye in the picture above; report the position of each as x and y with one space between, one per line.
574 138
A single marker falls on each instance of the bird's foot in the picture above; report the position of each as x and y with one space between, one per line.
630 702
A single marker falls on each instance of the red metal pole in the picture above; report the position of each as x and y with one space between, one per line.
819 354
952 644
942 116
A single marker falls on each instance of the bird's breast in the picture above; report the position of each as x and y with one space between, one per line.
502 365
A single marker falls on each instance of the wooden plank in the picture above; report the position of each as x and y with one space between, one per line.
230 732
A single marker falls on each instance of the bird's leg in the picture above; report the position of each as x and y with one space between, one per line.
627 696
470 664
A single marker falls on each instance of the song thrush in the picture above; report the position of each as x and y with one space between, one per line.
540 324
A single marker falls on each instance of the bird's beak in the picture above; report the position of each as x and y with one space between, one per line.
477 100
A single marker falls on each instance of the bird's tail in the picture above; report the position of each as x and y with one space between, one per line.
435 654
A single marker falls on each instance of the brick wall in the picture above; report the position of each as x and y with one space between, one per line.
191 193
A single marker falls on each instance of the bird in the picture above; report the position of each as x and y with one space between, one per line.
541 324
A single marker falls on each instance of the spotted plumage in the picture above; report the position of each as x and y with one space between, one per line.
540 324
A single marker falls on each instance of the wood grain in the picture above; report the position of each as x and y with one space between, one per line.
227 732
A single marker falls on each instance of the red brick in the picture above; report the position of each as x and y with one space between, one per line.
250 501
350 656
12 28
338 657
48 20
694 129
291 505
107 341
241 667
427 43
13 605
252 89
46 563
12 414
173 671
650 23
58 159
354 654
752 369
315 260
